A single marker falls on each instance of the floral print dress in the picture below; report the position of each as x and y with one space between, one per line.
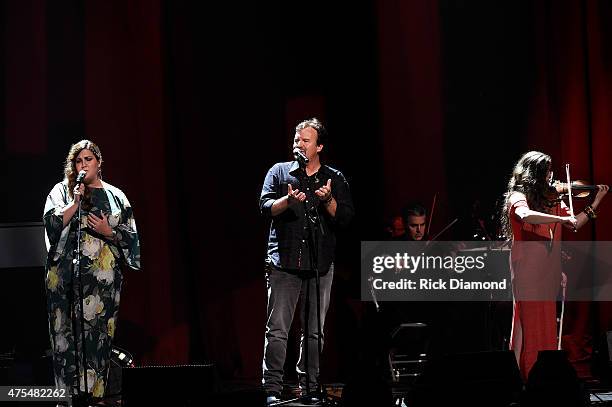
100 267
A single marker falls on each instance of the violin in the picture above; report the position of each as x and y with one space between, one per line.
580 189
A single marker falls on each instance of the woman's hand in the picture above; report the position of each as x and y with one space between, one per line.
563 280
569 221
78 191
70 209
99 225
603 190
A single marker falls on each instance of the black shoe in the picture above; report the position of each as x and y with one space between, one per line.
312 399
272 399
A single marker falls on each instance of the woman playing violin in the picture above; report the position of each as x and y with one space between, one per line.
534 212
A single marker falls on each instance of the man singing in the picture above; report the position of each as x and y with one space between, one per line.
307 202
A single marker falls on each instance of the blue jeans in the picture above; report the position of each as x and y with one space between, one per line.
284 291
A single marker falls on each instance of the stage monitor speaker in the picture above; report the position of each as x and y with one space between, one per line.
609 343
23 311
366 388
408 351
23 304
177 386
553 381
472 379
601 366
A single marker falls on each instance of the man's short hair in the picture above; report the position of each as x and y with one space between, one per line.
317 125
413 209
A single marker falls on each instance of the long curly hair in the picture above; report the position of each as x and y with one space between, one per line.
70 172
528 177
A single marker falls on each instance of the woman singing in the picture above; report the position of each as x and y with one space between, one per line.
108 241
531 214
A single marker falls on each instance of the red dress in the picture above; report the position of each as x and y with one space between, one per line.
536 280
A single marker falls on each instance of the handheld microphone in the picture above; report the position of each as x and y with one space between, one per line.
80 177
300 156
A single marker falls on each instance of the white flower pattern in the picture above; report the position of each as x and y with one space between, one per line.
92 246
58 320
113 220
91 379
61 343
93 306
106 276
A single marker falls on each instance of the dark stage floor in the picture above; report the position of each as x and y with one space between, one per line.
491 387
243 394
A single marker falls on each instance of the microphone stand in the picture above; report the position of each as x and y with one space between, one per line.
82 399
313 222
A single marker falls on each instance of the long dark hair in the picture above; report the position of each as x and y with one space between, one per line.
528 177
70 172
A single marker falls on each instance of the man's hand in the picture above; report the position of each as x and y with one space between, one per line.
294 196
324 193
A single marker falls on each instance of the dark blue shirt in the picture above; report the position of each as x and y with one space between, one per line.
288 242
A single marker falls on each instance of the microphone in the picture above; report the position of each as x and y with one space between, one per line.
80 177
300 157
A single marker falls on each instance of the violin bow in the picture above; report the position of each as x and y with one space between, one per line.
569 189
431 212
569 193
442 231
